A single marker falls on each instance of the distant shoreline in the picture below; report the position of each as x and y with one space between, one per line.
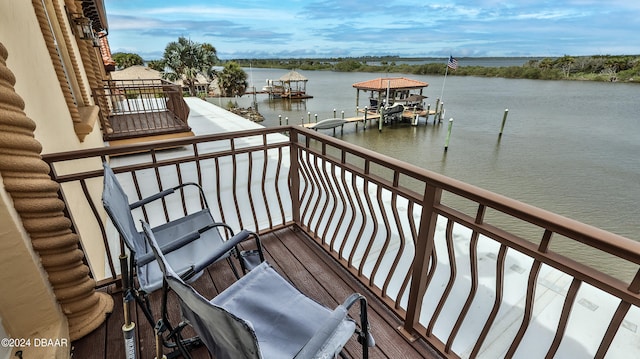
603 68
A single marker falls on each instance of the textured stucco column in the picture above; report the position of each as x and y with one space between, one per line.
35 197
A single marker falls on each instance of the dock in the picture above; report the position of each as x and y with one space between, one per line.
357 119
332 123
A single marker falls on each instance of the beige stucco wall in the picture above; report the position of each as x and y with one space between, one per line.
37 84
27 305
36 80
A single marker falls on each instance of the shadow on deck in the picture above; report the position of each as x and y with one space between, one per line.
303 263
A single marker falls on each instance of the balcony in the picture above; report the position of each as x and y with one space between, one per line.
445 265
141 108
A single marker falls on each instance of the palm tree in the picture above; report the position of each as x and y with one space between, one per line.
185 59
157 65
232 80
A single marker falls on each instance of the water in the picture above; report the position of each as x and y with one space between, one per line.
466 61
568 147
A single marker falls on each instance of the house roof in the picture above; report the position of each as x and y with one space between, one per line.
105 51
394 83
136 72
293 76
199 80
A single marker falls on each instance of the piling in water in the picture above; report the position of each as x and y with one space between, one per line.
446 141
504 119
366 110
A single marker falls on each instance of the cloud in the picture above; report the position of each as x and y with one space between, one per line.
290 28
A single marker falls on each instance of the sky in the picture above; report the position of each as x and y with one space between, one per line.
351 28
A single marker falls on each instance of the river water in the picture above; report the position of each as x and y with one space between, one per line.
569 147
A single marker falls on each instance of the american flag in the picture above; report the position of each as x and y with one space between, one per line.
453 63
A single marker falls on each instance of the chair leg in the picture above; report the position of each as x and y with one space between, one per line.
366 337
176 336
178 349
182 349
233 267
143 303
364 333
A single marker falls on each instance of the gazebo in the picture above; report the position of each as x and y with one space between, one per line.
390 89
294 85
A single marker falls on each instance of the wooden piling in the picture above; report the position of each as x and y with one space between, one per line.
504 119
446 141
366 111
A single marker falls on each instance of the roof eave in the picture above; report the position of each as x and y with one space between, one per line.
95 10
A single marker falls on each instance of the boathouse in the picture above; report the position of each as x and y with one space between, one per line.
391 89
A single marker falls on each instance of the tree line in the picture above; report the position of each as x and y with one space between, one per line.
186 60
624 68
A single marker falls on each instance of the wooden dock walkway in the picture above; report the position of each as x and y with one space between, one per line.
340 122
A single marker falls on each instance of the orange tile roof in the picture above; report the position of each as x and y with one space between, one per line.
382 83
105 51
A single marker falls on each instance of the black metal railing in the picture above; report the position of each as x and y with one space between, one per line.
440 253
139 108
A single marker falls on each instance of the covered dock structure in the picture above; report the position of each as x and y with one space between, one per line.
291 85
392 90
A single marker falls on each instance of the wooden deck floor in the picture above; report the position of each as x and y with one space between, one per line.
305 265
145 124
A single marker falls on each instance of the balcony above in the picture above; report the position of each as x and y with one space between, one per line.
141 109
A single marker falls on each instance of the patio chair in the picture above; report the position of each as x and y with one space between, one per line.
189 243
262 315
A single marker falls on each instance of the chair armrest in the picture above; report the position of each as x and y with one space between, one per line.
165 193
247 258
151 198
220 251
168 248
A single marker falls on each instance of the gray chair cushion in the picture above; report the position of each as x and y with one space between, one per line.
259 316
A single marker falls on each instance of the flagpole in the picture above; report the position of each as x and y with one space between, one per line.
443 82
